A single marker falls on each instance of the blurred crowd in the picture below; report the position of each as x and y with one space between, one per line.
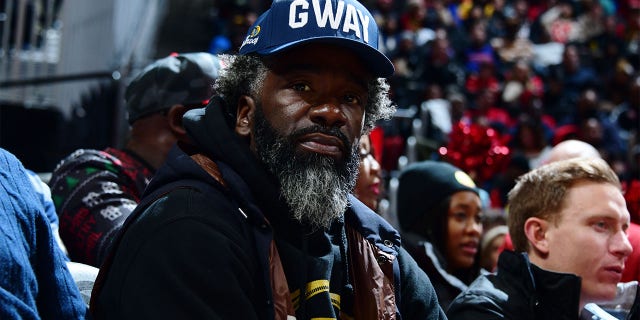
492 85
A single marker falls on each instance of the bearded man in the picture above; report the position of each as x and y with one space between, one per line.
254 218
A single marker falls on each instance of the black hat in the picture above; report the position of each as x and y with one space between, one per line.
185 79
423 186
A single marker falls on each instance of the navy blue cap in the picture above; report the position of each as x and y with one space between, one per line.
290 23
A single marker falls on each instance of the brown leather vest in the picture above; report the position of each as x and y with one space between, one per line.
371 269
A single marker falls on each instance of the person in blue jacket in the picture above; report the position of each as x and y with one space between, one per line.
254 219
35 282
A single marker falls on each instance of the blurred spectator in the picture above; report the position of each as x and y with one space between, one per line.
440 14
485 111
458 106
558 21
537 32
35 282
435 113
485 79
562 24
495 14
95 190
626 115
632 30
511 47
490 246
405 57
413 17
386 17
619 81
506 179
468 12
592 20
607 47
521 11
368 184
565 81
529 139
239 23
522 90
440 214
570 149
441 67
596 128
478 51
408 64
631 185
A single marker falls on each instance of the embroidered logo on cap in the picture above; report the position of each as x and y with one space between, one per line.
354 20
255 31
464 179
253 36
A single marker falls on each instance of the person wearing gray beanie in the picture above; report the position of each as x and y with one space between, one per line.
440 213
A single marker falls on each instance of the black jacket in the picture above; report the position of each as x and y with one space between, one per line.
447 285
521 291
203 250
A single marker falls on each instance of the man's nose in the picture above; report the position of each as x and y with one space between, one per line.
328 115
622 246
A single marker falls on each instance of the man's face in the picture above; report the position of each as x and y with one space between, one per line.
317 86
306 128
590 240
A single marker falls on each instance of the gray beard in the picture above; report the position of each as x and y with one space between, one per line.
317 196
315 187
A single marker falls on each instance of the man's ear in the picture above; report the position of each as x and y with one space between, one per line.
174 117
535 230
244 117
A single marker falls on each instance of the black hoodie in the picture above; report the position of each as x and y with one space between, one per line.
203 251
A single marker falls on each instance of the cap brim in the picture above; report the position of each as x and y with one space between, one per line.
374 59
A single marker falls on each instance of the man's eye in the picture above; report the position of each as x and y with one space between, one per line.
460 216
601 225
352 99
301 87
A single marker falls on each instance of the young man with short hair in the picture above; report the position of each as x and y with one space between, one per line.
568 223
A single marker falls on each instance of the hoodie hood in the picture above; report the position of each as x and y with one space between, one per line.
208 129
